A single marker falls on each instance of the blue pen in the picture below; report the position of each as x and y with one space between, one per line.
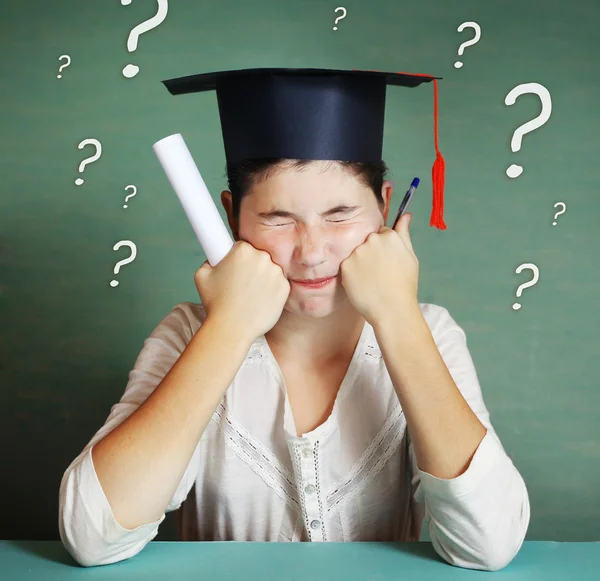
407 198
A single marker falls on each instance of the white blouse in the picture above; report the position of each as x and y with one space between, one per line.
354 478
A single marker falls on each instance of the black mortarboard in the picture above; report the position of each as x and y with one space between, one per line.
319 114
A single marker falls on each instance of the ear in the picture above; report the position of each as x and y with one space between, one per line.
387 190
227 201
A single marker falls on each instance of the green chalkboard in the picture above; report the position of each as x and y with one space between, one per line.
69 339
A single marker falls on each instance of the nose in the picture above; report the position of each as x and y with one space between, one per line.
311 246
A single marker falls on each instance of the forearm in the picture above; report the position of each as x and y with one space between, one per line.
445 432
141 462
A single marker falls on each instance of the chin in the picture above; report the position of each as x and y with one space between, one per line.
316 307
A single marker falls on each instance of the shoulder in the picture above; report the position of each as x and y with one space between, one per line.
440 321
183 319
451 342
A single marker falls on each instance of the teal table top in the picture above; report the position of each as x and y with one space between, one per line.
182 561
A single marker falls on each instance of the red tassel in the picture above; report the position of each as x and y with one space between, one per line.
439 166
437 172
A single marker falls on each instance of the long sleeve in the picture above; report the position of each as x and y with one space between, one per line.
87 525
479 519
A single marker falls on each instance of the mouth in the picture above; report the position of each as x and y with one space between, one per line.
314 283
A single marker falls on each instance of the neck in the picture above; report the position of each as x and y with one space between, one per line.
316 341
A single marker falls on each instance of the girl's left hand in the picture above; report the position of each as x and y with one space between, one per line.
382 274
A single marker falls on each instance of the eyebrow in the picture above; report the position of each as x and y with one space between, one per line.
343 208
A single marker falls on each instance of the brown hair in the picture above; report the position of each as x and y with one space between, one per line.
243 175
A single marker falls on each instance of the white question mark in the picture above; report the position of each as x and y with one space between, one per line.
514 171
536 277
163 6
471 42
131 258
94 157
63 56
339 17
130 195
559 213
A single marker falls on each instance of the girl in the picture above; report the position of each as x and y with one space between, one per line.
310 396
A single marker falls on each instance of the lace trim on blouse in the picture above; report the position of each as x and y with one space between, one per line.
283 482
258 457
371 461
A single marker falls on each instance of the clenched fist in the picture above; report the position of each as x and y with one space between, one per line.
246 289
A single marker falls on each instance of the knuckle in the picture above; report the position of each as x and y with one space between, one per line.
264 258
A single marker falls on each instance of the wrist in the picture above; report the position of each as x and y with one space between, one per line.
229 330
408 318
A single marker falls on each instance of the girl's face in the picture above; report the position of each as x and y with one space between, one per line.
309 221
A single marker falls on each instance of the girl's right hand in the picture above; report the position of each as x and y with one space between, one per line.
246 289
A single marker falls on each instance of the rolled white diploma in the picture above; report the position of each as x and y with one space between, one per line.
194 196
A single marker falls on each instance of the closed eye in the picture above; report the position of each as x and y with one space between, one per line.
288 223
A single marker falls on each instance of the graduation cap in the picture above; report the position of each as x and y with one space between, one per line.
319 114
